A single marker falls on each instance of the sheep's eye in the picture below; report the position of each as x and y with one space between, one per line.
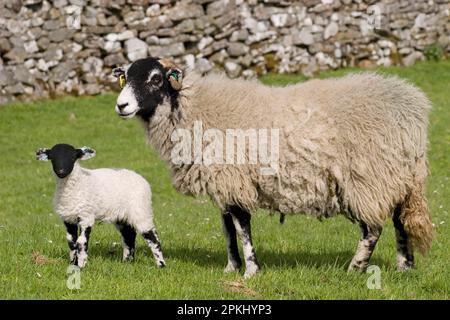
122 81
156 79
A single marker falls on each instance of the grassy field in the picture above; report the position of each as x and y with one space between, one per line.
302 259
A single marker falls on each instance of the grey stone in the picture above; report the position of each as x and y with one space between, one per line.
239 35
52 25
17 54
202 65
153 10
185 26
53 53
304 37
182 11
62 71
116 59
217 8
6 77
59 3
204 42
21 74
233 69
280 20
93 65
172 50
16 89
237 49
135 49
413 58
5 45
15 26
331 30
31 46
125 35
59 35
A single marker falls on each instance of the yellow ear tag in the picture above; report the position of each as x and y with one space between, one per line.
122 81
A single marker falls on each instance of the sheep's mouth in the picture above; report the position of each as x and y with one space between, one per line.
127 115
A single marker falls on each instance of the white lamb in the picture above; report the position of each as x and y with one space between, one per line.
117 196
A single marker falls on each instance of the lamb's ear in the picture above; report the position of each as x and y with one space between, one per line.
175 77
86 153
43 154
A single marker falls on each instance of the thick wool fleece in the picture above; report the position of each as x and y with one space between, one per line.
354 145
110 195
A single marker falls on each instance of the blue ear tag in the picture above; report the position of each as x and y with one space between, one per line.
174 74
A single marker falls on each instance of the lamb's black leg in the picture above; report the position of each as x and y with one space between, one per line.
405 255
241 220
82 245
72 236
128 240
234 260
366 245
151 237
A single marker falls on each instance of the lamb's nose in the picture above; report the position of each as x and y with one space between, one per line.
60 171
122 106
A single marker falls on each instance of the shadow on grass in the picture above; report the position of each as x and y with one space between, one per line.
268 258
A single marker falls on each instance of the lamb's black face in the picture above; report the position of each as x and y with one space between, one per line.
63 157
146 84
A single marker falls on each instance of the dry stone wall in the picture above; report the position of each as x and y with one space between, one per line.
57 47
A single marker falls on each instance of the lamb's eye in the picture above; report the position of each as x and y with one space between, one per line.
156 79
122 81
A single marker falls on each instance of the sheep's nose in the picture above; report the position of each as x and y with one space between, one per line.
60 171
122 106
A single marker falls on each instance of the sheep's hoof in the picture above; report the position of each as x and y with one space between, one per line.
232 267
405 266
251 271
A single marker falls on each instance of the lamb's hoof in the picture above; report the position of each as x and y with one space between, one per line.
81 263
128 259
161 264
251 271
357 266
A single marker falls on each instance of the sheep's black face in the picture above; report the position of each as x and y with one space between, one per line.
146 84
63 157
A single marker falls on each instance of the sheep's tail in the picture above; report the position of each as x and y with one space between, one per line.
414 212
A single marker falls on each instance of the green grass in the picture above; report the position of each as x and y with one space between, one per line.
302 259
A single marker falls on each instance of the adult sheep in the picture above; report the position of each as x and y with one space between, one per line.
354 146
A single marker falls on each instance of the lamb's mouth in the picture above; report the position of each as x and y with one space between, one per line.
127 115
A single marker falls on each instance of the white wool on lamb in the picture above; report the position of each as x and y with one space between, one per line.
117 196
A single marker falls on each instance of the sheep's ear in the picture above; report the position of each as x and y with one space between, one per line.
173 74
86 153
175 77
117 72
43 154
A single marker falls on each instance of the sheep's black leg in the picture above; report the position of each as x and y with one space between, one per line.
366 245
241 220
405 255
128 240
82 245
229 230
155 245
72 236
